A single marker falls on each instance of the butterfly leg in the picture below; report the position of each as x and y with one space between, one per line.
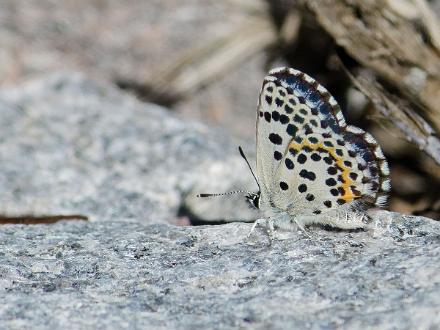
267 223
257 222
291 223
301 226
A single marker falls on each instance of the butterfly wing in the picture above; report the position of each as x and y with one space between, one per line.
308 159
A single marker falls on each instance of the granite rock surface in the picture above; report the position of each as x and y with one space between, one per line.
123 274
72 145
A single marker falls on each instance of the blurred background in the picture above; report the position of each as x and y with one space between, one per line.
205 61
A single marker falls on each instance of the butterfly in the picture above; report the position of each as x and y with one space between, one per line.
311 167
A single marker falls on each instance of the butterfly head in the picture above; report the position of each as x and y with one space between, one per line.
254 199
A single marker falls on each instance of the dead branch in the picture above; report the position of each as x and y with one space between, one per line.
400 49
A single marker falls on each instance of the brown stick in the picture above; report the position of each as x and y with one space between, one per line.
33 220
414 128
383 39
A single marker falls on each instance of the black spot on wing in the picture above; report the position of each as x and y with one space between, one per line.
291 130
302 188
302 158
334 192
360 146
313 139
267 116
275 138
355 191
330 182
316 157
289 164
374 186
367 155
298 119
284 119
328 160
268 99
307 129
330 121
374 171
283 185
303 111
328 204
277 155
307 175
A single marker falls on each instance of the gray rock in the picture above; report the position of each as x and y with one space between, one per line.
48 36
128 275
69 145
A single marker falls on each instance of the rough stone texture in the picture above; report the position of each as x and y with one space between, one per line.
128 275
129 40
68 144
107 39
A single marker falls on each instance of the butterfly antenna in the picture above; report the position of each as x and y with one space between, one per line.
223 194
235 191
244 157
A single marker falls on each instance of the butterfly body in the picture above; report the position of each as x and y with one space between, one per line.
311 166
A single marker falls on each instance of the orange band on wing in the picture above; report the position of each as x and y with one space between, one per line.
349 194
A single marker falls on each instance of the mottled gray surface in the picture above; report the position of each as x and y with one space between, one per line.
68 144
127 275
130 40
71 145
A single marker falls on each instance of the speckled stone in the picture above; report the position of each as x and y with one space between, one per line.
72 145
122 274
